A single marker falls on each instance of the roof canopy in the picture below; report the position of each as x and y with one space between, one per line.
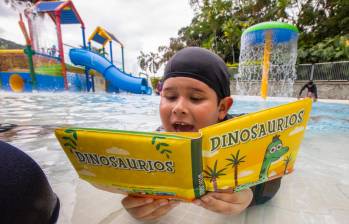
102 36
66 10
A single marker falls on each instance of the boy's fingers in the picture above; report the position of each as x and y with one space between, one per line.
132 202
163 210
144 210
219 206
227 203
235 198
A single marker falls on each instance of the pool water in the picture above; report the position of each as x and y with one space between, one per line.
317 192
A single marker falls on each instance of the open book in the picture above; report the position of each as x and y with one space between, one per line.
237 153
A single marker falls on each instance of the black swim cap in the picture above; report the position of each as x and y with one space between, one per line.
25 194
201 64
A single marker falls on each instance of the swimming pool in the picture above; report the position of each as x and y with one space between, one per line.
317 192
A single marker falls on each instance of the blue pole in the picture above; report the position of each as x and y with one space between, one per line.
122 58
87 79
83 37
111 51
89 45
93 82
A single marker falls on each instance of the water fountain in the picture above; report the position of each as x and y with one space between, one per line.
267 60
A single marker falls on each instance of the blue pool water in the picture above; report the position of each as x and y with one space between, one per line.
318 190
135 112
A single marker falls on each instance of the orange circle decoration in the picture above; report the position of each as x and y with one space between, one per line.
16 83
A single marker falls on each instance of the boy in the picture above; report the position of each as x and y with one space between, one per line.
25 193
195 94
312 90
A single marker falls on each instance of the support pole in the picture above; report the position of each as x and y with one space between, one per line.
87 76
122 58
29 52
266 63
60 47
93 83
31 33
111 52
312 72
83 37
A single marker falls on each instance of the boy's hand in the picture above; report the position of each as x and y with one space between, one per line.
146 209
226 201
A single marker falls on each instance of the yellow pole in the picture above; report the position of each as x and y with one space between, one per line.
266 63
12 51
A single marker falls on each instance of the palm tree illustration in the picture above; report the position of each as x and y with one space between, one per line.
214 174
235 161
70 141
287 161
161 146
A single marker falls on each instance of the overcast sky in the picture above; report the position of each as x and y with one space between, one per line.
139 25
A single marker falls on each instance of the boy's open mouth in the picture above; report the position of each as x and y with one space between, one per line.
183 127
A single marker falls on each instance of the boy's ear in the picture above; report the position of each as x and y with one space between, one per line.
224 106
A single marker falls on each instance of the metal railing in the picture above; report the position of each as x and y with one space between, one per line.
328 71
323 71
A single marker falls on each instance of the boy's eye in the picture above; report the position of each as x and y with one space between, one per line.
195 99
170 97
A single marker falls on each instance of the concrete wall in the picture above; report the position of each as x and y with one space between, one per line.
326 89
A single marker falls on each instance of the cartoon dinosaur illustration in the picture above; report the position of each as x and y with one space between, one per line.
275 151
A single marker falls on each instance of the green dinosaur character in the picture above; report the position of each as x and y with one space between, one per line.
275 151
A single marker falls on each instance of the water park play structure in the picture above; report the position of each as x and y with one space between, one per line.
39 69
267 58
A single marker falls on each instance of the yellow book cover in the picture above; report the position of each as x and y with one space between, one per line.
237 153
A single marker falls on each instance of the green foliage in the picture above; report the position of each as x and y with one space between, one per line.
154 81
218 24
330 49
152 61
149 63
7 44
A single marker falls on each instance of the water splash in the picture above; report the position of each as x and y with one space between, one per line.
18 6
282 72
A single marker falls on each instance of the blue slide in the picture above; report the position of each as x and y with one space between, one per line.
115 77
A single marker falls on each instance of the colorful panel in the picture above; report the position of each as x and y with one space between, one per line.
47 6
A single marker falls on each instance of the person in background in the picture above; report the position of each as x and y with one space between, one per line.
196 94
158 87
53 51
25 194
311 90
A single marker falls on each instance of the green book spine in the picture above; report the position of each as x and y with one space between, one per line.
198 179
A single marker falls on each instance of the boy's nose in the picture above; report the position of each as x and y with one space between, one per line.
180 108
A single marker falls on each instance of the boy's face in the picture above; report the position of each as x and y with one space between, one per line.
188 105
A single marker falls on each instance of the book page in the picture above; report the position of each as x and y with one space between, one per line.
254 148
141 163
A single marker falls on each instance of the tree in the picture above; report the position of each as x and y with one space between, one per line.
218 25
287 161
235 161
214 174
149 62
